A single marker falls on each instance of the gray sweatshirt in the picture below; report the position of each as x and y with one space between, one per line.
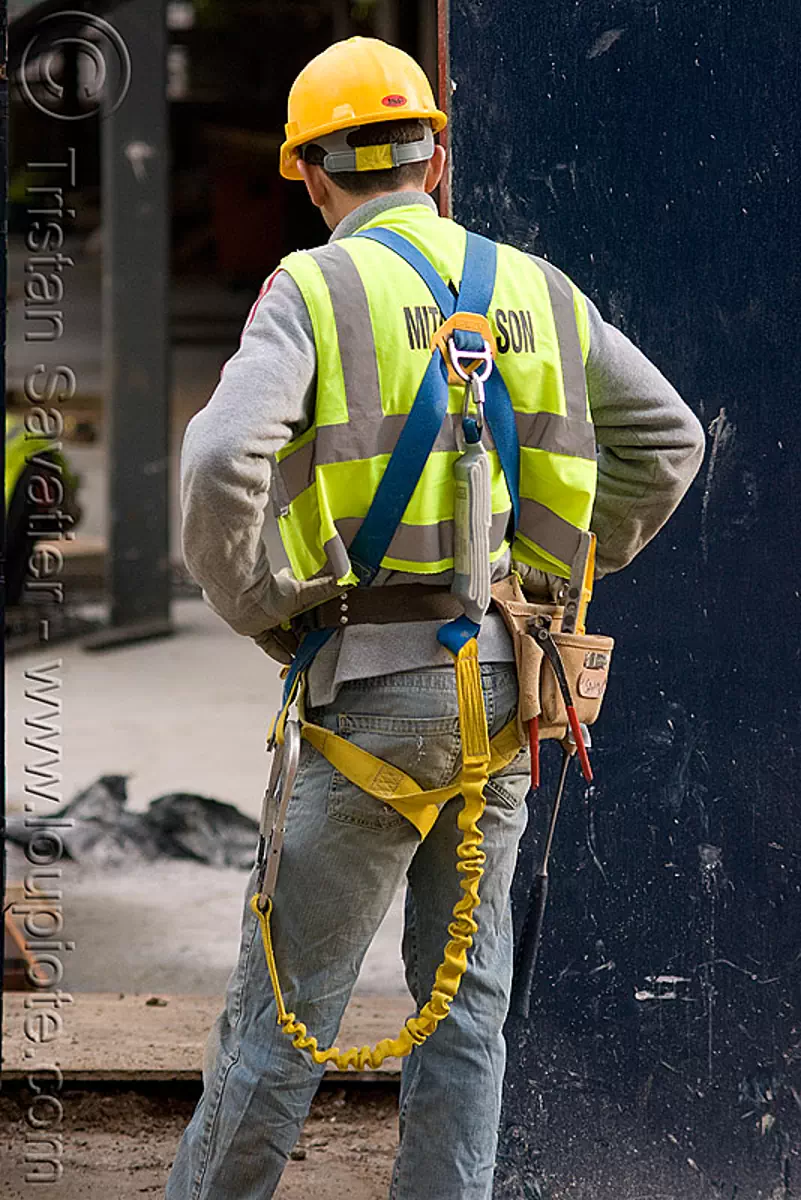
650 447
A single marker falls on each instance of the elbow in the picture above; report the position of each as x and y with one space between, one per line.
677 462
695 443
194 550
204 450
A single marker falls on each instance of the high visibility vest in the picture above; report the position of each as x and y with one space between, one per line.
373 318
21 447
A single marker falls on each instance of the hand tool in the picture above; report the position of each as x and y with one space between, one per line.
531 934
539 629
534 748
575 593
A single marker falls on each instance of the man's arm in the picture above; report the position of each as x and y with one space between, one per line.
650 445
265 398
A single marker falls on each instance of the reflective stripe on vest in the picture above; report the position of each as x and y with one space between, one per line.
564 315
354 292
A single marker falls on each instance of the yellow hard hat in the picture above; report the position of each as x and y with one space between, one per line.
355 82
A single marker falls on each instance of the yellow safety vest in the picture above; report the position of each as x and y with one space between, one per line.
21 447
373 319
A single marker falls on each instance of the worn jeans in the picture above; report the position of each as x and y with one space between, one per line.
345 855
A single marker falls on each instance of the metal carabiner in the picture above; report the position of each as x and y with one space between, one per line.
474 388
273 811
474 379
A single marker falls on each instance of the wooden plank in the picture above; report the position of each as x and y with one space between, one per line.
116 1037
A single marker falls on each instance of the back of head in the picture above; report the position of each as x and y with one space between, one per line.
364 96
365 182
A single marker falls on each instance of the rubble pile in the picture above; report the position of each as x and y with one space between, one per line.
105 833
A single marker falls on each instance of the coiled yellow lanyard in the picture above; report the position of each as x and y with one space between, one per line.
480 759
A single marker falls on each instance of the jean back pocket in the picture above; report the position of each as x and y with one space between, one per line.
427 749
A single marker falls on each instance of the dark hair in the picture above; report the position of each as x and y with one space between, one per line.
380 133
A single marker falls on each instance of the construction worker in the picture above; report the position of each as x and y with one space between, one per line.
301 433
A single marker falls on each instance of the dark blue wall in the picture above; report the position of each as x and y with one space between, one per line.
652 151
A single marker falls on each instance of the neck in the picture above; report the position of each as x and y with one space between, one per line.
341 206
374 206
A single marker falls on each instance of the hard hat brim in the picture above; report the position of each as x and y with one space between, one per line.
288 166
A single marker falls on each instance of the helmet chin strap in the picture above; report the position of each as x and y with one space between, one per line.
341 156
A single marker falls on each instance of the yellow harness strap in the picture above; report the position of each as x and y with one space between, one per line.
480 759
391 785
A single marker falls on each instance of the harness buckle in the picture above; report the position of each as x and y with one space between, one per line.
462 363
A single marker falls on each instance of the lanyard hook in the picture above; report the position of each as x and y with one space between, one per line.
473 367
273 811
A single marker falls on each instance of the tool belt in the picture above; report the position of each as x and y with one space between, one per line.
585 659
381 606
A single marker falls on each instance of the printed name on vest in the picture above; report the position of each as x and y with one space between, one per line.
515 327
422 322
515 330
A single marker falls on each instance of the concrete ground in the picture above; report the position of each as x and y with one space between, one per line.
187 713
116 1039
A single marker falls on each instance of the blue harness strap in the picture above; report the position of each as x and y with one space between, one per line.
402 472
475 295
478 274
457 633
415 258
312 642
420 430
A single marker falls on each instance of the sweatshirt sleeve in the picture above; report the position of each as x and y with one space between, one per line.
264 399
650 445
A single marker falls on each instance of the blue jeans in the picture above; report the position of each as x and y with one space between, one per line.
345 856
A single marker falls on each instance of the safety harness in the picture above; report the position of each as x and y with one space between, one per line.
462 351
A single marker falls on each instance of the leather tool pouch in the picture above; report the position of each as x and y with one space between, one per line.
586 659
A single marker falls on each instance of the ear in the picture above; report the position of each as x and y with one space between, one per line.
317 183
436 169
